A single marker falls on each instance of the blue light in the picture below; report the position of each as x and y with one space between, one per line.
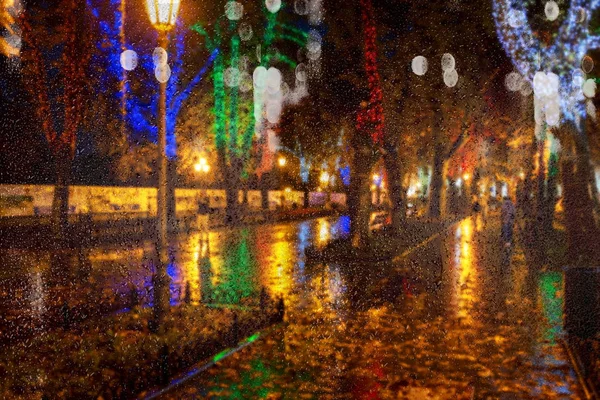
345 174
140 112
304 169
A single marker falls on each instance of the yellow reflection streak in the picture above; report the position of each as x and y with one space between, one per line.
279 274
324 232
467 274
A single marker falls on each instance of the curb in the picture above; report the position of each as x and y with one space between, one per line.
184 377
589 392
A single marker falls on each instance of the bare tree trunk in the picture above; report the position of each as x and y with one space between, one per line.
437 183
578 205
232 188
60 201
551 194
359 207
594 193
306 197
393 167
539 223
359 196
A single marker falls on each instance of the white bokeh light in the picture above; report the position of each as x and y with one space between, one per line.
129 60
159 57
162 73
234 10
451 78
551 10
273 5
448 62
419 65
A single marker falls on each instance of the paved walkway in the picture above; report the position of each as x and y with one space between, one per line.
459 318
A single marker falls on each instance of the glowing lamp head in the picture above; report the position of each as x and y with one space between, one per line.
282 161
202 165
466 177
324 177
162 13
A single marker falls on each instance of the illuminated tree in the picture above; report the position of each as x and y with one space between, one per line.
138 109
368 137
55 56
560 51
239 113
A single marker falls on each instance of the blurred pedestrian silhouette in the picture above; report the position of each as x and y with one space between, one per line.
202 219
508 220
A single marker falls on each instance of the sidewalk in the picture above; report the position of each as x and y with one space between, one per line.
118 357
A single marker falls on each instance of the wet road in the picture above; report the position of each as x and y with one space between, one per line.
459 318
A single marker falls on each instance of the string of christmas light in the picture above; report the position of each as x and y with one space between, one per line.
239 118
562 56
371 117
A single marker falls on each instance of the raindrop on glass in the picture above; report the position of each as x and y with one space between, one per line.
231 77
273 5
301 72
587 64
245 82
589 88
273 80
513 81
245 31
516 18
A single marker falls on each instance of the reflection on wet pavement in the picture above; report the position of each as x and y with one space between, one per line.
229 269
452 320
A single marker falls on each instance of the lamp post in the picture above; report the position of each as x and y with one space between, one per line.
162 14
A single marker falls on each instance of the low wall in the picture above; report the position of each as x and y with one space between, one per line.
25 200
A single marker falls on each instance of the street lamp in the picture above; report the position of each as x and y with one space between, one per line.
202 165
162 14
282 161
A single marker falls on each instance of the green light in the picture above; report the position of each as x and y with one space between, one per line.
291 38
220 356
234 112
233 99
299 32
253 337
550 284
